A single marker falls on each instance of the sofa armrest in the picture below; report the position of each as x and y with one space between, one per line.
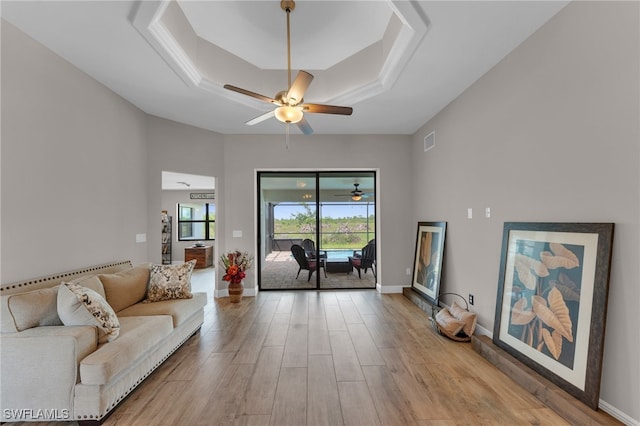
39 370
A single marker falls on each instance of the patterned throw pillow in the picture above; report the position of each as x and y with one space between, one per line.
79 305
170 282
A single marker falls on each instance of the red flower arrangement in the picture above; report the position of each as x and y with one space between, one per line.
235 263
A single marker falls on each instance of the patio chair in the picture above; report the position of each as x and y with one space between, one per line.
305 263
365 261
310 249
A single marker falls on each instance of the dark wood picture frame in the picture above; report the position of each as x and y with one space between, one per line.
428 259
551 307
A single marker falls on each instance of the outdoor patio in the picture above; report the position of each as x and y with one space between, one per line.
280 268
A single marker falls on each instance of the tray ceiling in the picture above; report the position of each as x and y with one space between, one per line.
397 63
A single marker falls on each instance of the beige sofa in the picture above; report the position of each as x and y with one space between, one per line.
52 372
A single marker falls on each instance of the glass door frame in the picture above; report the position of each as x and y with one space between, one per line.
318 175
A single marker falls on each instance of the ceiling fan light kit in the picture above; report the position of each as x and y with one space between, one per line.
290 106
288 114
356 195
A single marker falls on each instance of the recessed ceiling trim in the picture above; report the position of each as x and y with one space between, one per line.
148 23
396 53
415 28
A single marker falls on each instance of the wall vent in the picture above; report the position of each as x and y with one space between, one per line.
429 141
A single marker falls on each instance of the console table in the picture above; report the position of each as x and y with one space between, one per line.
203 256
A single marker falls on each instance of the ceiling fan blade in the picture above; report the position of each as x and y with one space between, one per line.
304 126
299 87
252 94
260 118
326 109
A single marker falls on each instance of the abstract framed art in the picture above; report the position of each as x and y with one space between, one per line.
552 301
428 259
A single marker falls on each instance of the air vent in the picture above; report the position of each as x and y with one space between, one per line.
429 141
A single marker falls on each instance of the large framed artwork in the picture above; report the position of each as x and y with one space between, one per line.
427 264
552 301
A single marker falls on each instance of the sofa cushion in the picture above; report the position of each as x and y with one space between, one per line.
92 282
127 287
31 309
170 281
86 338
79 305
179 309
37 308
138 336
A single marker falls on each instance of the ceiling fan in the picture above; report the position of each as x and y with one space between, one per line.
290 103
356 195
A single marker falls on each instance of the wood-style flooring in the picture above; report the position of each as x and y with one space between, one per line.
325 358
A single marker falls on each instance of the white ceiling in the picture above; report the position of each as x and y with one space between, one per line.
397 63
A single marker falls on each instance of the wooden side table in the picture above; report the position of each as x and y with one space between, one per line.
203 256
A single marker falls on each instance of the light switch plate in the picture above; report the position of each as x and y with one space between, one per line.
237 234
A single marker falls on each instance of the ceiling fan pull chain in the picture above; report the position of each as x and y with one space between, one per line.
286 136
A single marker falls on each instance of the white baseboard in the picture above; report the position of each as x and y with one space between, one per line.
617 414
603 405
388 289
481 331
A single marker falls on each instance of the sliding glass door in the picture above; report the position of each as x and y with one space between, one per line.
313 229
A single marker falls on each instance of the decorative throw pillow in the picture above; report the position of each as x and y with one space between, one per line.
468 318
79 305
170 282
126 288
448 323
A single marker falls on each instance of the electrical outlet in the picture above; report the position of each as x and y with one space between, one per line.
470 299
408 271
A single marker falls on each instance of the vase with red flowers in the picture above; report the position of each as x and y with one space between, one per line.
235 264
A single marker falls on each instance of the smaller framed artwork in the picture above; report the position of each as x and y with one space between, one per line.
552 301
428 260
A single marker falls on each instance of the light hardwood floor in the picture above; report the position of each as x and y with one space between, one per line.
325 358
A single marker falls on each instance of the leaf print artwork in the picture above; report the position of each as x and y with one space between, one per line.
562 251
567 287
525 275
559 257
535 265
546 297
553 341
520 315
556 315
529 270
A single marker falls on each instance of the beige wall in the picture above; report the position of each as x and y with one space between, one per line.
550 134
180 148
74 162
388 154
